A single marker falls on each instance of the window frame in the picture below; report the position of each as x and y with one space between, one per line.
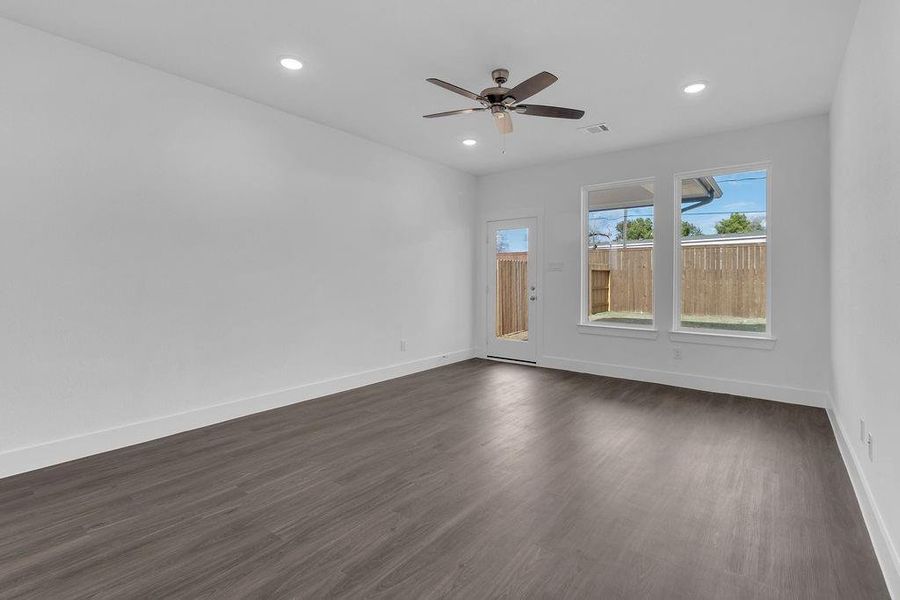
763 339
585 325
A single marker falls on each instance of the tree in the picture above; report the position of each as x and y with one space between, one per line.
640 228
688 229
740 223
596 237
502 243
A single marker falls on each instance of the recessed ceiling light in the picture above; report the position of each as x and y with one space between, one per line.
694 88
469 142
290 63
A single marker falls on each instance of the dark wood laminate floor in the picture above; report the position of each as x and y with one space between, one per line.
476 480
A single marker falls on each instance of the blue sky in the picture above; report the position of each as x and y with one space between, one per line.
605 221
516 240
741 192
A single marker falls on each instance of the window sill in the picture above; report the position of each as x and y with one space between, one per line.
640 333
723 339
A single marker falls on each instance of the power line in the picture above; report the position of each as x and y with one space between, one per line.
741 179
721 212
730 212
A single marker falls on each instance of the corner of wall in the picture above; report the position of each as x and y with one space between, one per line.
885 549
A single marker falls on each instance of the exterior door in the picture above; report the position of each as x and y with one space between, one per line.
512 289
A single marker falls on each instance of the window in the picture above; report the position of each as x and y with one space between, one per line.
617 245
722 281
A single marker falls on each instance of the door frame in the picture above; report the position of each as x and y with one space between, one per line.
536 309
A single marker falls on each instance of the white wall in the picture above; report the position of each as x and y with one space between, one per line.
796 369
166 247
865 266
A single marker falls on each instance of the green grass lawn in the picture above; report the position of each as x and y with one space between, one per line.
631 318
757 325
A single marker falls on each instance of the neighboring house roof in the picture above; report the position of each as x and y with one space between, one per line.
700 188
698 240
699 191
754 237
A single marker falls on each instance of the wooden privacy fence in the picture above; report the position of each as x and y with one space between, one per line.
724 279
717 279
623 280
512 292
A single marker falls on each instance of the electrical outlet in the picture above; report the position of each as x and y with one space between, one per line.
402 345
676 352
870 442
862 431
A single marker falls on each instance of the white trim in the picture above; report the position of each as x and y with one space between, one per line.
584 305
20 460
769 334
511 214
734 340
642 333
620 245
765 391
885 550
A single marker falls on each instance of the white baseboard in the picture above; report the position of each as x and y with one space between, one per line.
20 460
792 395
885 550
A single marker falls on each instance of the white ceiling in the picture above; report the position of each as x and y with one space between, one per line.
623 61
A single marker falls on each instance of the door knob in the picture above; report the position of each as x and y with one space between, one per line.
533 298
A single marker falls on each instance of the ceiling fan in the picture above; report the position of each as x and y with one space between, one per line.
502 102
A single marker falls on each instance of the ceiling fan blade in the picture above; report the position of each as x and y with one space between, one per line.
454 88
557 112
532 86
503 121
453 112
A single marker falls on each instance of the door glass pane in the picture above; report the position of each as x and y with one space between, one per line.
512 285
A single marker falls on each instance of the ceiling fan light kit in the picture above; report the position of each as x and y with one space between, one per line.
502 102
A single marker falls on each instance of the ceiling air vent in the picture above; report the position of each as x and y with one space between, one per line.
598 128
